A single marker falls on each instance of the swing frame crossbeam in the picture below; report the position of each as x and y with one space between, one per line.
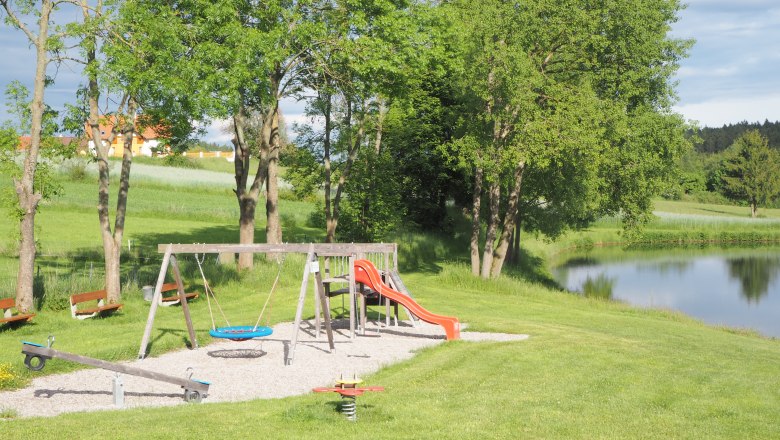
352 251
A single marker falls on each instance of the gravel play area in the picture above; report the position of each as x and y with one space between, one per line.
237 371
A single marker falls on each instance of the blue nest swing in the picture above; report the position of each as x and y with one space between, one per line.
238 332
241 332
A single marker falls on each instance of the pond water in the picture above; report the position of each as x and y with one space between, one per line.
736 288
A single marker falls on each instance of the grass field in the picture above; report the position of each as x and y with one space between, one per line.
591 369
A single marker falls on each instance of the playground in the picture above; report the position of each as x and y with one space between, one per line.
248 362
238 371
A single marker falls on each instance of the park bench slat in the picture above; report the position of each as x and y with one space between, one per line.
98 295
8 316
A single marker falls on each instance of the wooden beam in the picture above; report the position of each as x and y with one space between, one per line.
155 300
352 296
185 308
321 249
299 310
44 352
320 289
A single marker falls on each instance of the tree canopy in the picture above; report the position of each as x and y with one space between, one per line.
751 171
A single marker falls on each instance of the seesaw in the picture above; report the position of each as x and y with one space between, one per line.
36 356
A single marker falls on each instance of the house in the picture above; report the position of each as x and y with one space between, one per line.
145 143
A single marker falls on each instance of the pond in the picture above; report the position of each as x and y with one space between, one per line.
734 287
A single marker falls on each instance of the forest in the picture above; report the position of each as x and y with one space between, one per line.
717 139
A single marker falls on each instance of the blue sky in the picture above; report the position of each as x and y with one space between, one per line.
731 75
733 71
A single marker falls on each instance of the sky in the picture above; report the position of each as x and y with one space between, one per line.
733 71
731 75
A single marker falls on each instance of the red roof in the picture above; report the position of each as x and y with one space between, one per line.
107 125
24 141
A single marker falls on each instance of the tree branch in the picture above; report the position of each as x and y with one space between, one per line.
18 23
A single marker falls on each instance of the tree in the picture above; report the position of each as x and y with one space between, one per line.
27 195
568 113
126 53
751 171
241 59
360 64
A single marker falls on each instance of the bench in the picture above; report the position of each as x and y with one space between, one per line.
8 305
174 298
87 312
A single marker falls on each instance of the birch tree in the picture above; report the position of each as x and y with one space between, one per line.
41 35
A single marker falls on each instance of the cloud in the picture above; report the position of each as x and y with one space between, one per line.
218 132
717 112
724 71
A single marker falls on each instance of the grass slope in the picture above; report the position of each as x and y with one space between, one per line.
591 369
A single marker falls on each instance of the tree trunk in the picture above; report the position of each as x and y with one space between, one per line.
492 227
26 195
330 225
273 222
247 198
379 126
753 209
510 219
476 206
354 146
113 253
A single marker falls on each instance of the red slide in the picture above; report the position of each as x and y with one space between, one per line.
366 273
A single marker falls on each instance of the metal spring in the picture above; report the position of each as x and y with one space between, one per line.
349 408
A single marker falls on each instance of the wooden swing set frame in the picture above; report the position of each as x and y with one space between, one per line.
313 251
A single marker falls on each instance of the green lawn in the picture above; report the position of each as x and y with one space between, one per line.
591 369
693 208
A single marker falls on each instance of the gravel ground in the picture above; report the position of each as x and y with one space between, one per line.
237 371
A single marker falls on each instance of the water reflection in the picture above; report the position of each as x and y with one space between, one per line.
755 275
674 267
598 287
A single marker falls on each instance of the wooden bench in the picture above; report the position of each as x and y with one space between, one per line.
8 305
174 298
101 307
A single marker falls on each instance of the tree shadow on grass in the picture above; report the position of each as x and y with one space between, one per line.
531 268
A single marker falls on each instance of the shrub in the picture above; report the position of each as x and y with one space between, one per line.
179 161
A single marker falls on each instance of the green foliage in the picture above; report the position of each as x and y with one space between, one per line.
718 139
751 171
574 99
180 161
76 169
418 126
52 149
316 218
373 209
304 171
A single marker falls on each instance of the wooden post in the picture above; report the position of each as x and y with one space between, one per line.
352 296
387 301
320 292
155 300
185 308
363 309
299 310
317 320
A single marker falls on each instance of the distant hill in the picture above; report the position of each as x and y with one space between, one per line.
718 139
